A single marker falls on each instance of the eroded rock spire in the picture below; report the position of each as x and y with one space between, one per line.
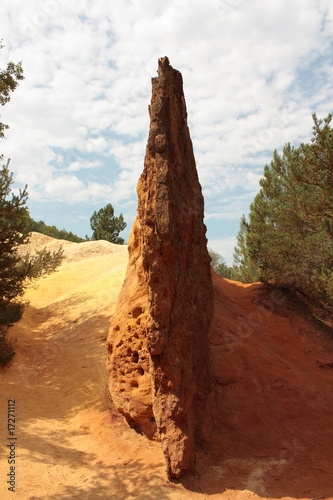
158 347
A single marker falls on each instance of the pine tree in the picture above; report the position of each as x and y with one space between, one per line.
16 269
289 236
243 268
106 226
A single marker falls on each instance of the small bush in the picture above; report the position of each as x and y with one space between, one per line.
10 313
7 350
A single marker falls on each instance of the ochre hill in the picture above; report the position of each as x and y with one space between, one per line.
234 380
268 426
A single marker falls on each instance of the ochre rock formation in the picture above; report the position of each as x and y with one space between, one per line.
158 349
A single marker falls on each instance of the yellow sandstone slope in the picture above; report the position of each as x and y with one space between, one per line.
69 444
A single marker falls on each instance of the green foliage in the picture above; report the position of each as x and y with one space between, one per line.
12 234
106 226
289 236
219 264
9 80
10 313
7 350
244 269
53 231
16 270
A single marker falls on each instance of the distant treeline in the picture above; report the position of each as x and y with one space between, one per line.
53 231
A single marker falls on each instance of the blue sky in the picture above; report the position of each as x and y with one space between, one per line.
253 73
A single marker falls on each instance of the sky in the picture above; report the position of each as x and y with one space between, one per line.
254 71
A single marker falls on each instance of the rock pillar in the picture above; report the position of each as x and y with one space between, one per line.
158 347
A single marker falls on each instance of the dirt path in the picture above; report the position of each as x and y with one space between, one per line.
69 444
270 438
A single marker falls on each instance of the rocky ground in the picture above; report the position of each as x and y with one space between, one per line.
268 424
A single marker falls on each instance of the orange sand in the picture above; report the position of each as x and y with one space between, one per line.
269 438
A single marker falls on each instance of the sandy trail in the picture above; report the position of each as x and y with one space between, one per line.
268 426
69 444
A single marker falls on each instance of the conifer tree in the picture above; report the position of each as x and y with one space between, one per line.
289 236
243 268
106 226
16 268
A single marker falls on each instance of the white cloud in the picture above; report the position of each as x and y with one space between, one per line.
75 166
246 69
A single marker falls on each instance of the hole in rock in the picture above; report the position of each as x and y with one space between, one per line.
134 383
129 328
135 357
141 371
136 312
116 328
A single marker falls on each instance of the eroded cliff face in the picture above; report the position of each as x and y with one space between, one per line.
158 349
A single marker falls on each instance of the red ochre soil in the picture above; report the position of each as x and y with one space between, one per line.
269 422
268 425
